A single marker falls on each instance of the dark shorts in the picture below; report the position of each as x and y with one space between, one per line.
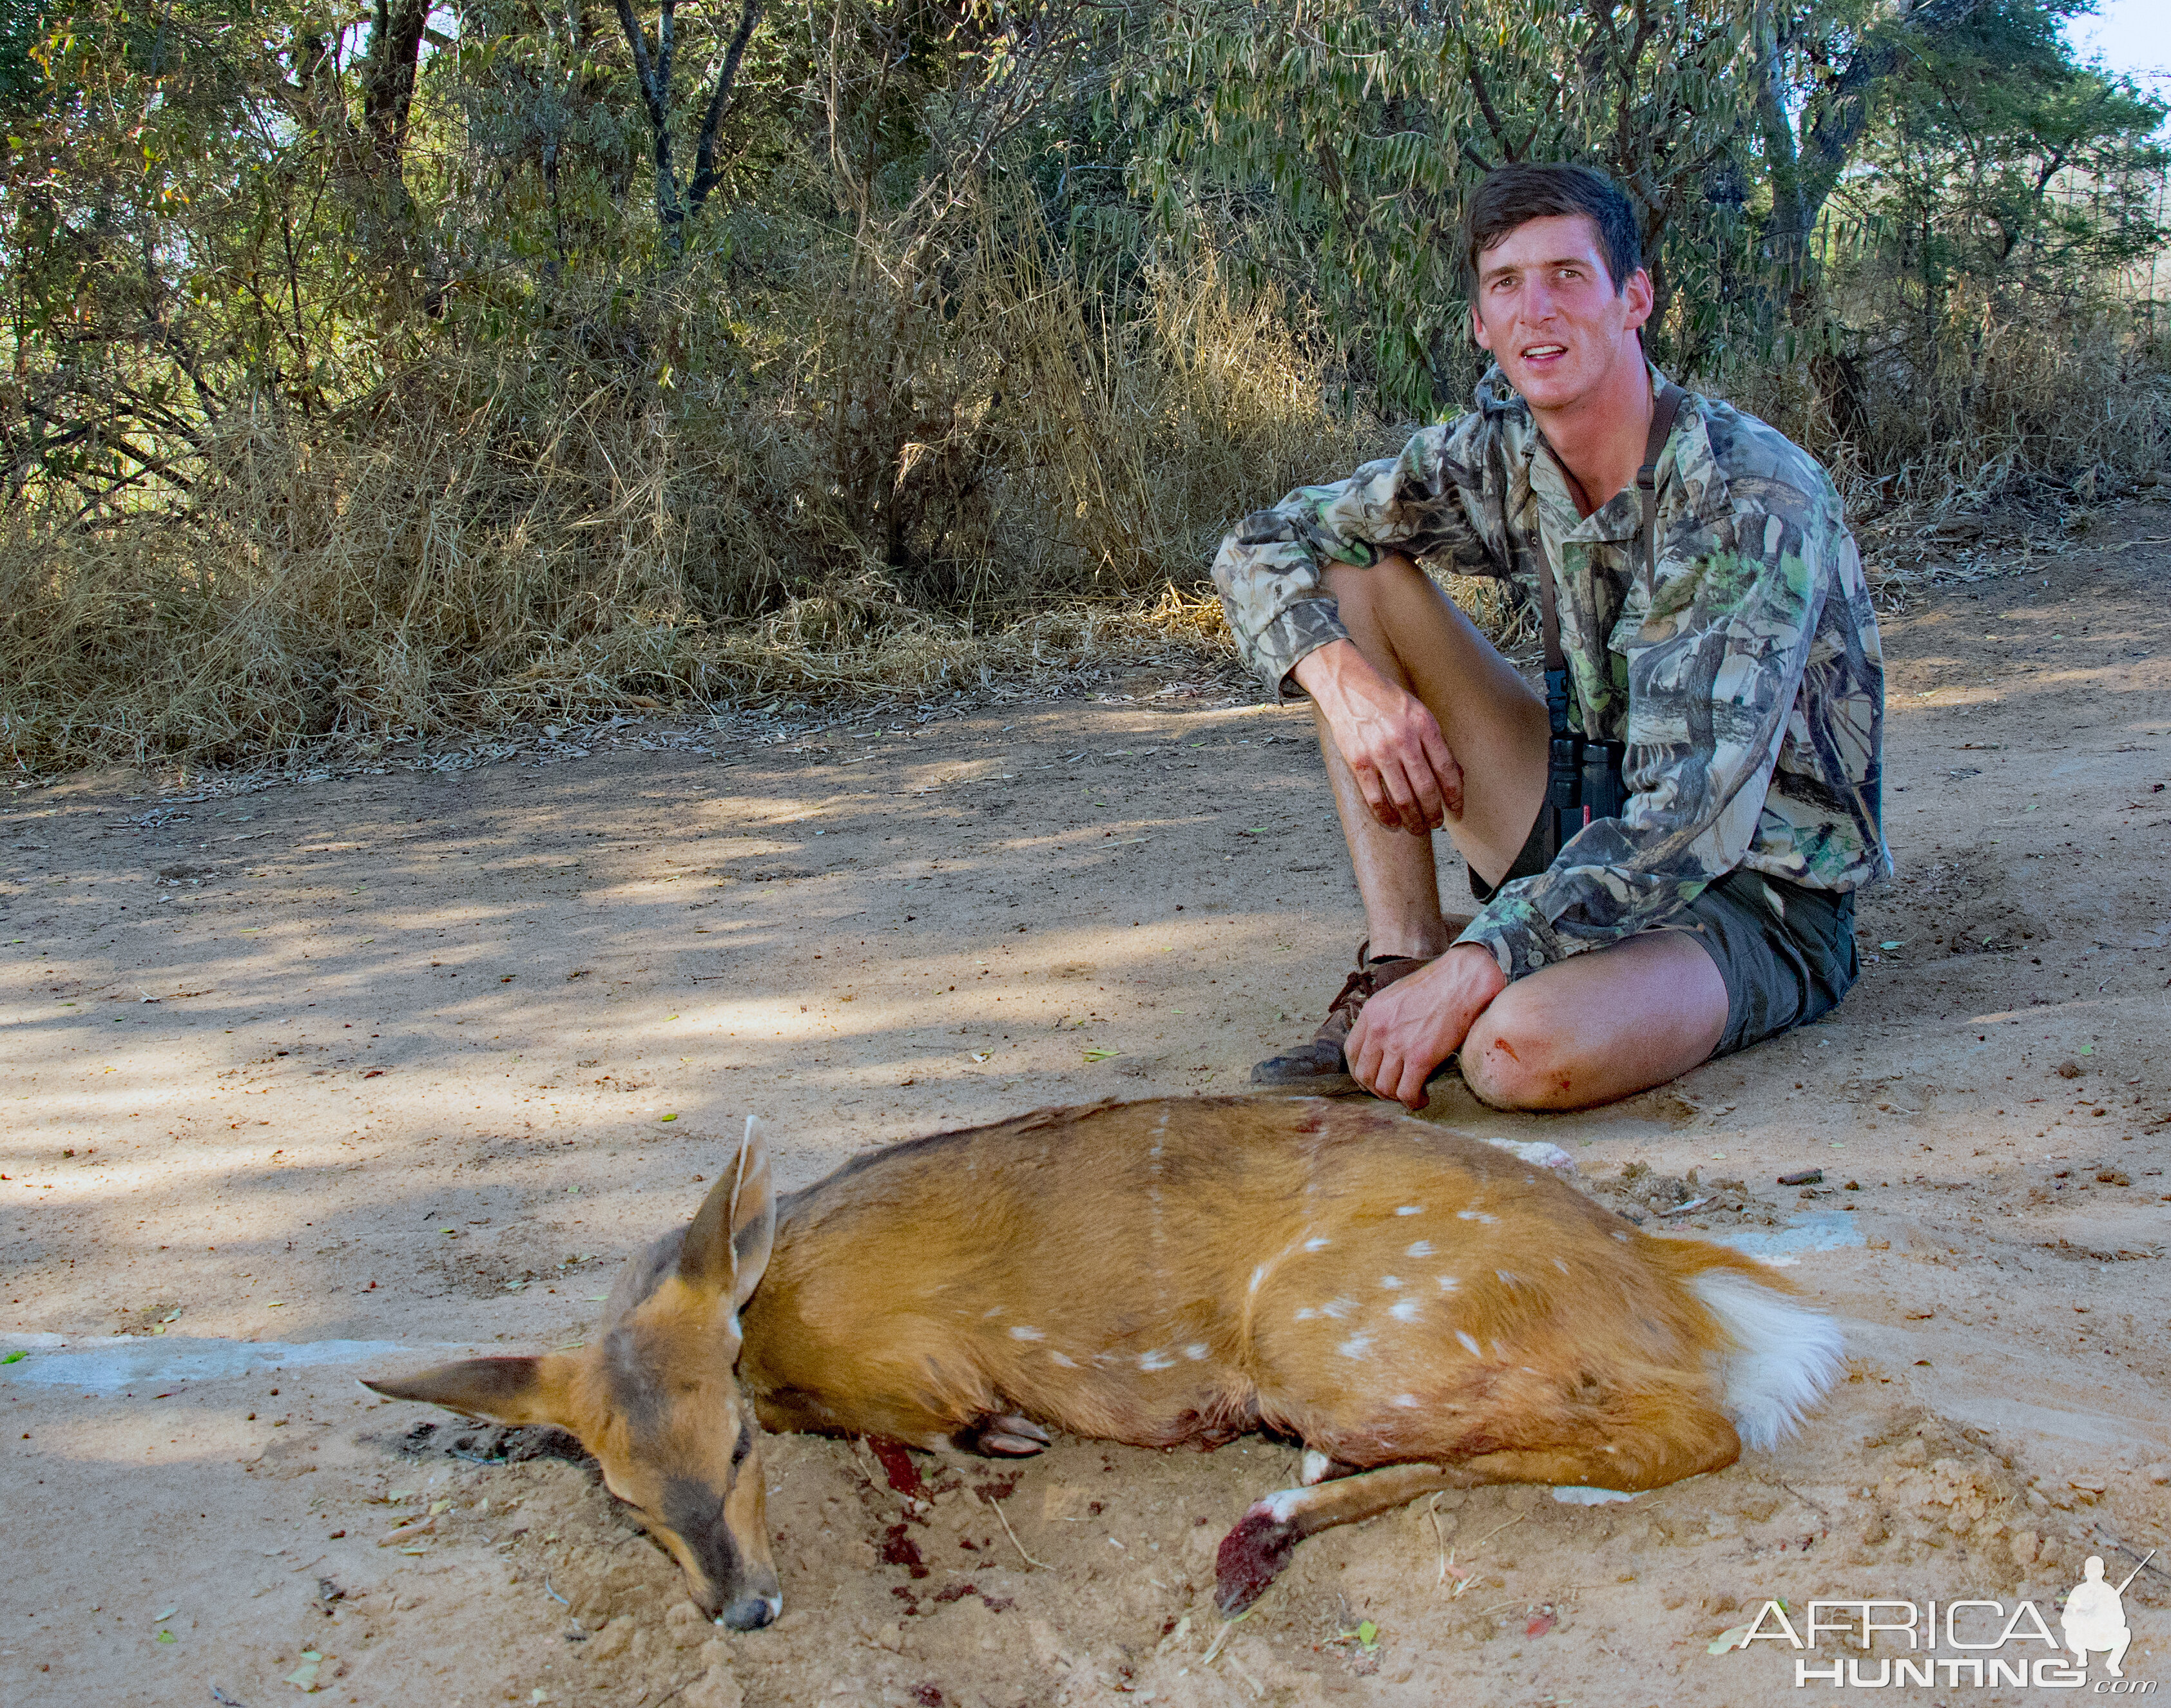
1785 952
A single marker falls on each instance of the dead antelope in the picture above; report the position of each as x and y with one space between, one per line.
1421 1310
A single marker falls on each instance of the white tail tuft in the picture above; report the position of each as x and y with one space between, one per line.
1781 1359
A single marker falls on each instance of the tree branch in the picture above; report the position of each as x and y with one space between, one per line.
387 78
705 175
1840 111
1484 98
653 76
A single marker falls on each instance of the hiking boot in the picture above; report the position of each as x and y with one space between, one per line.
1319 1067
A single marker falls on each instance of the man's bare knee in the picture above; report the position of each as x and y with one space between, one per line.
1511 1060
1360 593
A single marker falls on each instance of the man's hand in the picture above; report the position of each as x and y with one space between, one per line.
1391 742
1407 1031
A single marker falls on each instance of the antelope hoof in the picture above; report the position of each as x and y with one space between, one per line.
1252 1555
1003 1436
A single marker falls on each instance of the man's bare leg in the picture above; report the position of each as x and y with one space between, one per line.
1420 641
1453 737
1598 1026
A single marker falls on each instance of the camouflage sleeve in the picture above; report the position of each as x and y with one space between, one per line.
1428 502
1713 673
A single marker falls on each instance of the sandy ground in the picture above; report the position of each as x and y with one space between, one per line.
416 1057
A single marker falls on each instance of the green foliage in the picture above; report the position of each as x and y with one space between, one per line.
1330 147
1989 219
319 324
22 27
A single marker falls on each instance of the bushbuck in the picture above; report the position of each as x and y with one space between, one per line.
1420 1309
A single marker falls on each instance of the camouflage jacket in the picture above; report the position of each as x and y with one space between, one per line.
1747 681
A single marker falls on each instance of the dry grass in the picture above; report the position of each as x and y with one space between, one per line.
911 474
925 482
2031 404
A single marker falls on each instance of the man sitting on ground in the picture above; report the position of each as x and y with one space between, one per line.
1668 855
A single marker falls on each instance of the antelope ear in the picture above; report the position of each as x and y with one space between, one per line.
727 1247
514 1391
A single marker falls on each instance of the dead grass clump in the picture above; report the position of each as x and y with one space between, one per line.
415 570
2003 402
920 480
814 649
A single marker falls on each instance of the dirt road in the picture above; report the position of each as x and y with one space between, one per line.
413 1059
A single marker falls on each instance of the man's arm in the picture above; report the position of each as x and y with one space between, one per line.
1392 743
1428 502
1404 1033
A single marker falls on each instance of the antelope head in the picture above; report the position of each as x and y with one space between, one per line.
654 1398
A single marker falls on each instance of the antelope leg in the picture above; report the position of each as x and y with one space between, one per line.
1252 1555
1663 1447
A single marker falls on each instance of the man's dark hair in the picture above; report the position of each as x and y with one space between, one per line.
1511 196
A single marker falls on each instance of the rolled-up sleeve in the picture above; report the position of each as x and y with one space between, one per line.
1271 569
1713 674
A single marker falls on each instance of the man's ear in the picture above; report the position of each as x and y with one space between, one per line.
1478 335
1641 296
727 1247
514 1391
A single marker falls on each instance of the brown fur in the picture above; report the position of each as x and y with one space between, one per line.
1126 1233
1146 1272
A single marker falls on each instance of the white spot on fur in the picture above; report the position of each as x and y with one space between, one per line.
1337 1307
1022 1333
1315 1466
1560 1266
1067 1364
1621 1234
1476 1216
1258 1276
1391 1281
1448 1283
1781 1358
1509 1277
1306 1314
1195 1350
1356 1347
1318 1244
1155 1360
1283 1504
1409 1402
1405 1311
1421 1249
992 1310
1469 1343
1409 1209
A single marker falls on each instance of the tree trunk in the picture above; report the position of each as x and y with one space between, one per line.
387 80
1836 115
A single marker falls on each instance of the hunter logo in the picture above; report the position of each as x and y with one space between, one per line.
2095 1617
1976 1645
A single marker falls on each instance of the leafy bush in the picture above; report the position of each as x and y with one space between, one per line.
362 380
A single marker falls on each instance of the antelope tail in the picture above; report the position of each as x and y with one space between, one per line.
1778 1356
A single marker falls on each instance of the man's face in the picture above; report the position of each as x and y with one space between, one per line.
1548 312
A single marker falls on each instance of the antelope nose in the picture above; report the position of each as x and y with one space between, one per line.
750 1613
